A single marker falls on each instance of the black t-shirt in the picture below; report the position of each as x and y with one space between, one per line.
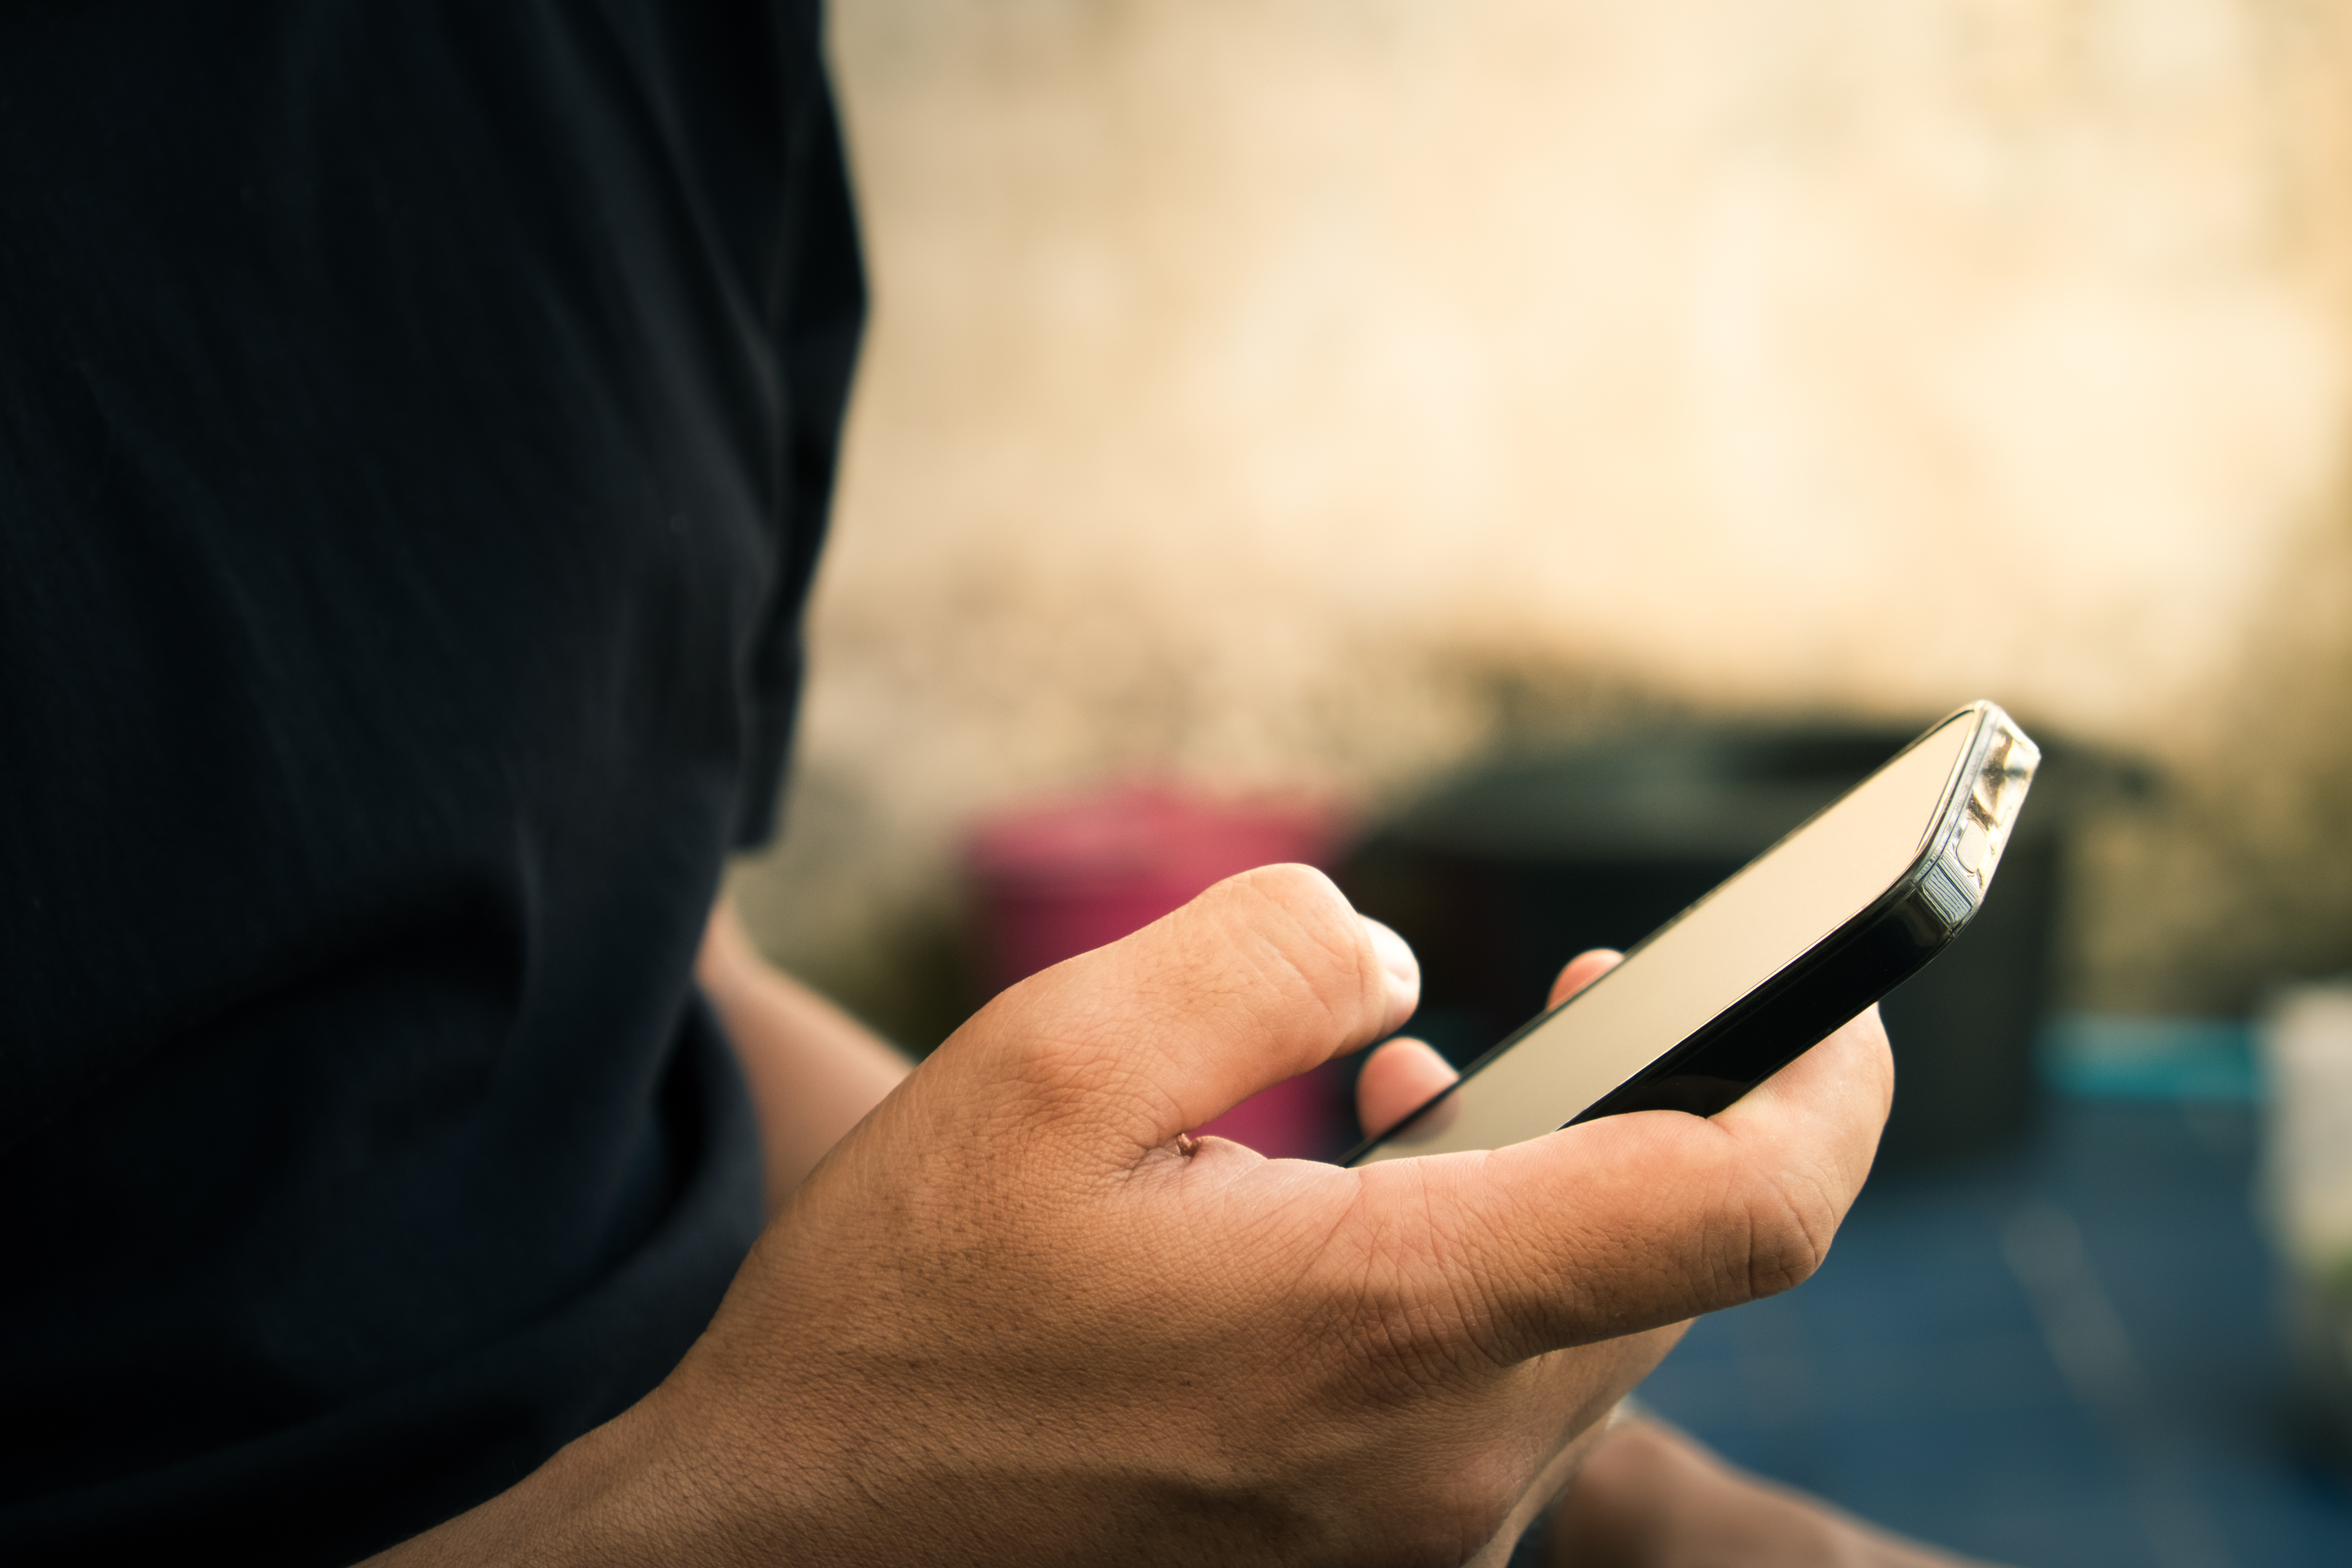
415 427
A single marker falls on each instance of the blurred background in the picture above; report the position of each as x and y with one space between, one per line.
1339 411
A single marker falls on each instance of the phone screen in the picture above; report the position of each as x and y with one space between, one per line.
1704 962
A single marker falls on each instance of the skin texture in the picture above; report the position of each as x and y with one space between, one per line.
1010 1319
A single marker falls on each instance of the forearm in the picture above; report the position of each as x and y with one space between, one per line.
1649 1497
814 1071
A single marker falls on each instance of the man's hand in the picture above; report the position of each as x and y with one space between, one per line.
1017 1316
1643 1494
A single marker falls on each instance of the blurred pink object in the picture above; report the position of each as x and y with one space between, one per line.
1062 878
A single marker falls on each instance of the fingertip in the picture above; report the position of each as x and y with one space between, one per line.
1583 971
1399 1077
1400 966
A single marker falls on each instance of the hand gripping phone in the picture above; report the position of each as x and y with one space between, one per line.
1804 937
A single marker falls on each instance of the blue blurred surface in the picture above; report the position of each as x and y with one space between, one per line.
2065 1357
2098 1056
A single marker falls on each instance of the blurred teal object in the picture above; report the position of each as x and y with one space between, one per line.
2107 1055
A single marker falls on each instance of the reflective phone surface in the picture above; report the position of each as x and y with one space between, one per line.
1943 806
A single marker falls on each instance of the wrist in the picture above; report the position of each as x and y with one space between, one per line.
631 1491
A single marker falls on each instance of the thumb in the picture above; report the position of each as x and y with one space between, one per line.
1634 1221
1262 977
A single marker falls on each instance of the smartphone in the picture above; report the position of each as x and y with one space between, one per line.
1848 906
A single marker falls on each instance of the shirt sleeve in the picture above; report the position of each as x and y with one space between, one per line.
818 309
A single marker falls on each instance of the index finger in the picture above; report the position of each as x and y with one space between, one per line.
1264 977
1583 971
1405 1074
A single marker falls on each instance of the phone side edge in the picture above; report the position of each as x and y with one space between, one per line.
1865 958
1862 960
1800 1007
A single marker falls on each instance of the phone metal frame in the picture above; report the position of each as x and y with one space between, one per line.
1856 965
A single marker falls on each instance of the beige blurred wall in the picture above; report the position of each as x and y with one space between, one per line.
1312 393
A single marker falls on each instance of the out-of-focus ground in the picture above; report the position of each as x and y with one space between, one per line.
2060 1358
1318 394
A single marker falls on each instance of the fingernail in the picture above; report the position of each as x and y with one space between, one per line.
1397 959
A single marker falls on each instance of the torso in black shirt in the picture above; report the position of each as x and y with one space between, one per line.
415 423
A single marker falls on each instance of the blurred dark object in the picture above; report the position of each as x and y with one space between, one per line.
1063 877
1501 876
2318 1317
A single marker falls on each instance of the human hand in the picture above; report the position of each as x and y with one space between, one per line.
1017 1317
1649 1497
1639 1509
1643 1494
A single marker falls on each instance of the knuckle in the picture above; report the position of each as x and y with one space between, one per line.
1301 931
1788 1235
